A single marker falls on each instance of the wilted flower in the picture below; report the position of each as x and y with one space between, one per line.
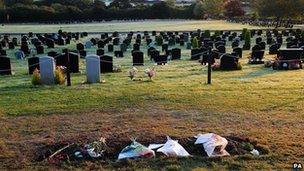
150 72
133 72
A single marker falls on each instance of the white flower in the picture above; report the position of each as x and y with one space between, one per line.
133 72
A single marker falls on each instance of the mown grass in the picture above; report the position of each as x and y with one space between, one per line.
149 25
180 84
254 102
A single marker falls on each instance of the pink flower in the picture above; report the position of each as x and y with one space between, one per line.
150 72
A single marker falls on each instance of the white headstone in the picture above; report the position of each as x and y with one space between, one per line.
47 69
93 68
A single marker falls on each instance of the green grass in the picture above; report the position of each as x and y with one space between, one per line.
255 102
180 84
150 25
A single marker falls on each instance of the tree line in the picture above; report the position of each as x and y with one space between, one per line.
95 10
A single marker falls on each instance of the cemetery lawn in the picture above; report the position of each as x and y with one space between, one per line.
149 25
256 102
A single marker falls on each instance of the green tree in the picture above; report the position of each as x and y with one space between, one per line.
279 8
171 3
247 44
13 2
207 34
233 8
198 10
214 8
1 4
194 43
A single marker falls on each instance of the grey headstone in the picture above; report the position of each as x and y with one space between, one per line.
47 69
93 68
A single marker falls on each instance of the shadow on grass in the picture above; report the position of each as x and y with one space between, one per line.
257 73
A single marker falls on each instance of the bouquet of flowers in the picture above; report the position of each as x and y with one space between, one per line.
132 73
117 68
150 72
216 66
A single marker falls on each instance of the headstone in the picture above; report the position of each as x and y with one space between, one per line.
256 48
238 51
99 52
189 45
136 47
106 64
60 42
258 40
219 43
235 44
165 47
11 45
280 40
15 41
138 58
196 54
116 41
37 43
2 52
94 41
215 54
148 41
33 63
40 49
123 47
263 45
80 46
50 43
206 55
221 49
82 53
171 41
5 66
228 62
138 41
269 40
290 44
67 41
182 43
257 57
161 59
289 59
153 54
273 49
88 45
24 38
176 54
149 50
100 44
47 69
93 69
25 49
62 60
118 54
110 48
53 54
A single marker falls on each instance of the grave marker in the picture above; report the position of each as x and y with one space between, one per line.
47 69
